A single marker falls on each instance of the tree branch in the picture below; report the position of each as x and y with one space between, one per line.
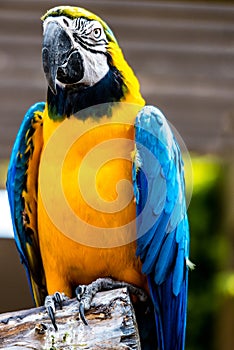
111 325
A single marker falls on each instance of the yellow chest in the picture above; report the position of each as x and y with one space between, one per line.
86 168
86 208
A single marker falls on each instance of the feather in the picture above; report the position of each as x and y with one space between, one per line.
165 258
163 248
20 164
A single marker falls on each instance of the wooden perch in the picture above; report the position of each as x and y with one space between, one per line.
111 325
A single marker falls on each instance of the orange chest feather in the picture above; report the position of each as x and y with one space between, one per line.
89 163
93 232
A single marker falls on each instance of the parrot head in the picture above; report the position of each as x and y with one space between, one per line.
79 51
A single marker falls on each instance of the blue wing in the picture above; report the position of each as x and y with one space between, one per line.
22 195
162 224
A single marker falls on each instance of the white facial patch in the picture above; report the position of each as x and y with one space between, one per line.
89 38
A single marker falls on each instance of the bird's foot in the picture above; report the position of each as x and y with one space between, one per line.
51 301
85 293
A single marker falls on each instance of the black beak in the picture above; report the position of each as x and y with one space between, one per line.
60 60
55 51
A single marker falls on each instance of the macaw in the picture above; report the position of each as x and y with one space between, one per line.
88 79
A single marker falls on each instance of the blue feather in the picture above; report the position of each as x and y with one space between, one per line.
16 182
165 258
163 245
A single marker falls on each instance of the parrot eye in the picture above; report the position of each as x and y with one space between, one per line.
97 33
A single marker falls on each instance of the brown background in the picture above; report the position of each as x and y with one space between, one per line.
183 54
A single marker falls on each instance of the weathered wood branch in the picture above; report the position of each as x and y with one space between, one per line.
111 325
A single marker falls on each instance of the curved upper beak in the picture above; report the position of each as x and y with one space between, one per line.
56 48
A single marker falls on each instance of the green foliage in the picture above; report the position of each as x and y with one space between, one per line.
208 251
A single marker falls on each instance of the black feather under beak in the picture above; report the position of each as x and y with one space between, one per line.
60 60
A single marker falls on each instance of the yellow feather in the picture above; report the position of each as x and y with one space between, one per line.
68 262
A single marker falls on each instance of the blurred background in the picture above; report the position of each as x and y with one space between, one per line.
183 55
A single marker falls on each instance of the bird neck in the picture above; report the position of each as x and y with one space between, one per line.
70 100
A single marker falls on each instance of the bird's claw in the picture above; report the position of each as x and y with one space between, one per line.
59 298
80 293
84 298
80 290
82 313
51 301
85 293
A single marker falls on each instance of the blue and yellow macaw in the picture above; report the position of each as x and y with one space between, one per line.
84 67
